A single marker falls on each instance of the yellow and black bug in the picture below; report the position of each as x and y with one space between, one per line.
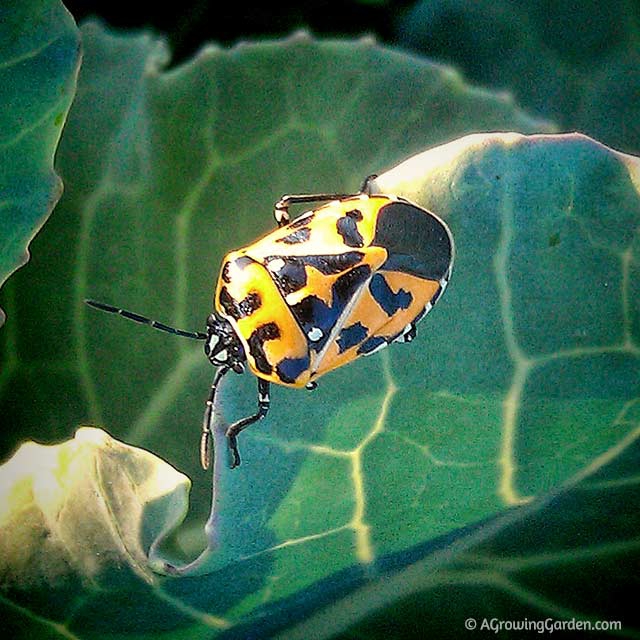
341 281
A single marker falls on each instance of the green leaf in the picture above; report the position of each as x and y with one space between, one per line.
588 83
567 561
82 515
39 60
523 379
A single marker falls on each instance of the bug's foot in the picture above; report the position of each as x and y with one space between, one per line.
233 450
206 449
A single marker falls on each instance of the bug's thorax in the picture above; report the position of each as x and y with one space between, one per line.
222 347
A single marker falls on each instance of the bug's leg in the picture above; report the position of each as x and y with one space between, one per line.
408 334
411 334
281 208
366 185
264 399
206 439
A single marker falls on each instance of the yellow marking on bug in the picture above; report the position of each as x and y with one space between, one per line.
318 284
254 280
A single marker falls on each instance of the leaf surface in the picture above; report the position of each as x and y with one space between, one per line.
522 380
586 83
39 62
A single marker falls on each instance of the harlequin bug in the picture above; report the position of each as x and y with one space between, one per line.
338 282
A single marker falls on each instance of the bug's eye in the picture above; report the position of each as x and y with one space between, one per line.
238 351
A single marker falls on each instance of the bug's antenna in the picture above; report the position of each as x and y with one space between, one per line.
195 335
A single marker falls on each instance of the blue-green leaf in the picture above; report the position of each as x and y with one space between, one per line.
39 60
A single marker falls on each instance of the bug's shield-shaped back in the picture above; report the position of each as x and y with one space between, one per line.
339 282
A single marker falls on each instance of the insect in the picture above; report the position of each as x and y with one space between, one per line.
340 281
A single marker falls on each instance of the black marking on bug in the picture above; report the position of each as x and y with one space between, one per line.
351 336
241 262
389 301
417 242
293 275
332 264
437 294
370 345
346 285
224 275
297 237
347 227
268 331
302 221
288 369
313 313
251 303
227 302
242 308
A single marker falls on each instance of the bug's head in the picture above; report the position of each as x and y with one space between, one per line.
222 346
